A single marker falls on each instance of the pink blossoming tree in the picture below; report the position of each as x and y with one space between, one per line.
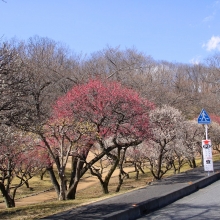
118 117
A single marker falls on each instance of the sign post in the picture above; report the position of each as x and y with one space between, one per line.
207 155
206 144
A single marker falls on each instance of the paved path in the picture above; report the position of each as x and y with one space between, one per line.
134 204
203 204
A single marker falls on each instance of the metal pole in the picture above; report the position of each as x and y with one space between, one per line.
206 137
206 131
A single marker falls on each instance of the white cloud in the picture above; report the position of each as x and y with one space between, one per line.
213 43
208 18
196 60
216 3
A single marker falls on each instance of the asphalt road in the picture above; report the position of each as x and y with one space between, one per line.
203 204
131 205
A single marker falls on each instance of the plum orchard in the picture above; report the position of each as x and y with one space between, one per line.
104 113
20 159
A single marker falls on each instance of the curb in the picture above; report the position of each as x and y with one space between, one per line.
156 203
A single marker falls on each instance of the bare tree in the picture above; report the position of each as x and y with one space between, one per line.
214 130
211 83
46 66
12 83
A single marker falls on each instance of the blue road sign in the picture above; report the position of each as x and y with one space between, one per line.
204 117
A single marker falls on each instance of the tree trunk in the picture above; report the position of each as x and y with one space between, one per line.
42 174
140 168
77 166
73 170
71 194
137 171
174 167
104 185
152 167
190 163
121 172
121 177
54 180
120 182
193 163
62 195
27 184
9 201
159 167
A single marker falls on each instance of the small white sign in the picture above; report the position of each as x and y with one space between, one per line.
207 155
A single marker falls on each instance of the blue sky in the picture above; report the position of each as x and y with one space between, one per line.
182 31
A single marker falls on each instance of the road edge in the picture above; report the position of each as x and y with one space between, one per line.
153 204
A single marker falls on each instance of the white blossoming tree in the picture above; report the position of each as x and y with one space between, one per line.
165 124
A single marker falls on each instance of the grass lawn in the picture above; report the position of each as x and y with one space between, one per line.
88 195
